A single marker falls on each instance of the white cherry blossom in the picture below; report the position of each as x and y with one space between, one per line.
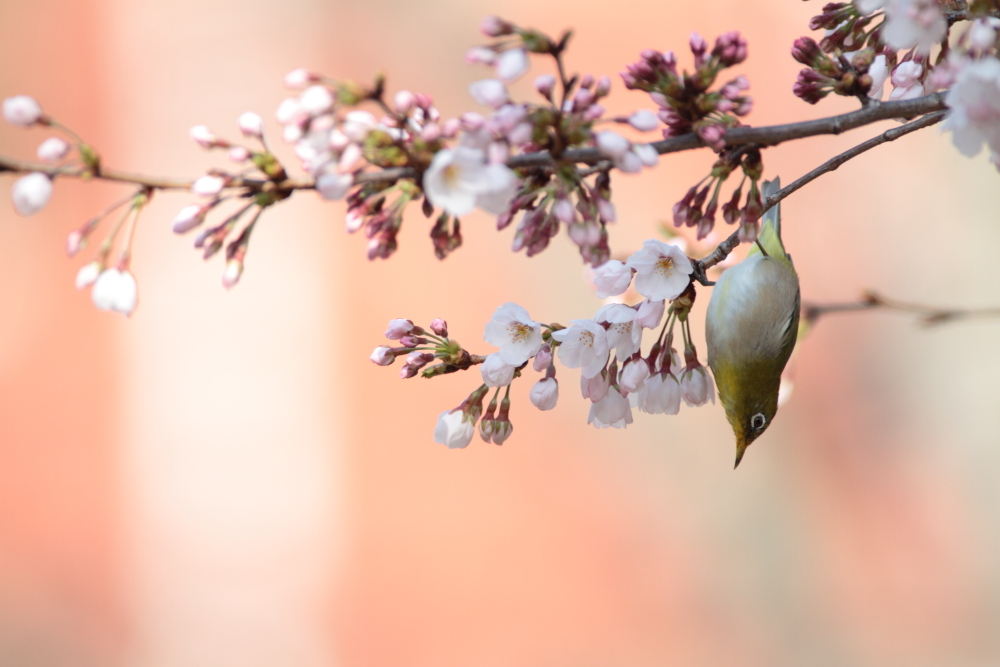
697 387
515 333
21 110
660 395
52 149
612 278
612 411
623 333
460 179
489 92
454 430
115 290
31 193
649 314
974 118
661 269
87 274
496 372
596 388
511 65
584 345
915 24
545 394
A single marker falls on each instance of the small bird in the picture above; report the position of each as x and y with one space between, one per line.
751 328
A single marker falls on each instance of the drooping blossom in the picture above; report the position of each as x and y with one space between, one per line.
878 71
251 124
232 272
545 393
660 395
596 388
612 278
115 290
53 149
612 411
513 331
512 64
22 110
633 375
543 359
496 372
31 193
623 333
190 217
974 118
208 186
914 24
88 273
907 81
661 270
454 429
649 314
460 179
584 345
697 387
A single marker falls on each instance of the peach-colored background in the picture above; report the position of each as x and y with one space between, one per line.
225 479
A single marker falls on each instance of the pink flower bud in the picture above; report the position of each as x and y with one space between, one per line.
383 356
644 120
251 125
203 136
545 84
494 26
75 242
512 65
564 211
31 193
612 145
489 92
480 55
299 78
430 132
404 101
53 149
612 278
316 100
543 359
332 187
189 217
208 185
87 274
231 274
603 86
21 110
650 313
646 154
439 327
290 110
238 154
115 290
398 328
545 394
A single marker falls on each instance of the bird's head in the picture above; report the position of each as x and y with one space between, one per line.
750 396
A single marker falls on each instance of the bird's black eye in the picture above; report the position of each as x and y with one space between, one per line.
757 421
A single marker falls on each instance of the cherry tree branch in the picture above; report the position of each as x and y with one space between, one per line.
929 315
739 136
727 246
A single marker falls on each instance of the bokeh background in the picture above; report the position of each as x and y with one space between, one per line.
225 479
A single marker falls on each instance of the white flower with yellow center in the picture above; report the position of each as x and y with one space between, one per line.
623 332
661 270
515 333
584 345
459 179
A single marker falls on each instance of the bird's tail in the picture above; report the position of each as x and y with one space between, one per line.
770 232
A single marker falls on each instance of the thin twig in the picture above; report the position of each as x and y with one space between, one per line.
929 315
727 246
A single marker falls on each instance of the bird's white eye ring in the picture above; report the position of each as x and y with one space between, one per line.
757 421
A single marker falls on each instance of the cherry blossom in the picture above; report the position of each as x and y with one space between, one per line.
623 334
115 290
208 186
974 100
53 149
515 333
696 386
612 411
649 314
511 65
398 328
489 92
545 393
496 372
251 125
596 388
907 81
454 429
383 355
87 274
22 110
612 278
584 345
660 395
633 375
661 270
332 187
31 193
912 24
459 179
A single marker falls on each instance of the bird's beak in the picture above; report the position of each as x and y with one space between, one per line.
741 446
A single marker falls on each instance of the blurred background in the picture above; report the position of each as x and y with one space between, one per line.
225 479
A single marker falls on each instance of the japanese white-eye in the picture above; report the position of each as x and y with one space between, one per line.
751 328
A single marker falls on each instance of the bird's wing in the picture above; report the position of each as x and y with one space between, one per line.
770 232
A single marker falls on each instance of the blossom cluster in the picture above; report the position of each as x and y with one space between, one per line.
615 375
907 43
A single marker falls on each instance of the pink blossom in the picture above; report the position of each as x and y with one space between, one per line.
383 355
661 269
88 273
316 100
31 193
289 110
511 65
596 388
115 290
333 187
584 345
190 217
515 333
974 100
232 273
650 313
915 24
612 145
543 359
545 393
623 333
403 101
633 376
53 149
22 110
238 154
644 120
696 386
299 78
454 429
251 125
545 84
489 92
496 372
612 278
398 328
203 136
480 55
612 411
208 186
660 395
906 80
